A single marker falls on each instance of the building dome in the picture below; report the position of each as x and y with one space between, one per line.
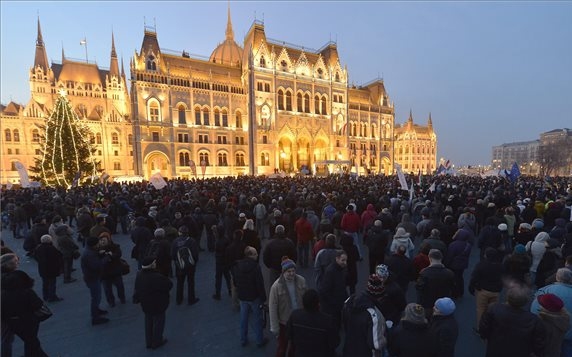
228 52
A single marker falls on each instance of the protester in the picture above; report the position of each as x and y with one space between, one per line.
444 327
185 253
93 261
50 264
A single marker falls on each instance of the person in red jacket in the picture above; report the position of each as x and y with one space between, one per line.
304 234
351 224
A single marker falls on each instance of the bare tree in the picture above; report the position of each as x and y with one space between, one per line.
555 157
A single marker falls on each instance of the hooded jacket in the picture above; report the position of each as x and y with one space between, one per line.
280 301
365 327
556 325
537 249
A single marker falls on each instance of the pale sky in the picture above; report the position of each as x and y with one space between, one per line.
488 72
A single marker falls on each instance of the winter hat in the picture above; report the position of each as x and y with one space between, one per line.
401 233
519 249
287 263
7 259
92 241
277 213
550 302
503 227
242 215
525 226
382 271
375 285
46 238
445 305
538 223
414 313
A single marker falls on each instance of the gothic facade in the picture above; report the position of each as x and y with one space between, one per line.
416 146
260 107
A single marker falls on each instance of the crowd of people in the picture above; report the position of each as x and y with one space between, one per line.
419 239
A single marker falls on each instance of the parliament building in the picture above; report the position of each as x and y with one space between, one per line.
263 107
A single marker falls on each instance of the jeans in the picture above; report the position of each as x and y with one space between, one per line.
108 284
246 309
220 271
154 326
49 288
189 275
303 251
95 293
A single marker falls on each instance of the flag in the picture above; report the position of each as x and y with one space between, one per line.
411 192
420 177
401 177
193 167
23 173
432 187
514 173
157 181
440 170
448 164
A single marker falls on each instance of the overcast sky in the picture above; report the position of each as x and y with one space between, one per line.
488 72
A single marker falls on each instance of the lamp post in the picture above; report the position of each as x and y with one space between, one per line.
282 157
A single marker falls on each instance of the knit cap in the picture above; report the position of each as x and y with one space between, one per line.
538 223
414 313
287 263
445 305
550 302
382 271
375 285
519 249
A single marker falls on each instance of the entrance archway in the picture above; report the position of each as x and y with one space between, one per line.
157 162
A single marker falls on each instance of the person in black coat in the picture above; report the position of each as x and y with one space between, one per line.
152 292
510 329
111 274
412 338
141 235
92 262
18 303
50 264
310 331
486 281
346 241
401 268
333 290
376 241
434 282
221 266
392 300
188 272
278 247
444 327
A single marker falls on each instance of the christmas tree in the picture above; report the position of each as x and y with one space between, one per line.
67 152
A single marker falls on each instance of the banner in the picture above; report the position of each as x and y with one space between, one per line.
401 177
193 167
24 179
157 181
203 167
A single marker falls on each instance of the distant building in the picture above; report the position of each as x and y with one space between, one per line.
561 140
416 146
524 153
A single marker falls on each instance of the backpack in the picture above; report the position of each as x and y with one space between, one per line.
184 258
152 249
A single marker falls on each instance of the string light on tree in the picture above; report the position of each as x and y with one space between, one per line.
66 149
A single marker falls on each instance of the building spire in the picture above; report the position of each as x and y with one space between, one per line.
114 65
410 116
430 122
229 32
63 54
41 58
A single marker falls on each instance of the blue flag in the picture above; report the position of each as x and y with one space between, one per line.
514 172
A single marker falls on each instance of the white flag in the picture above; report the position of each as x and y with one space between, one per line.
401 177
157 181
432 187
24 179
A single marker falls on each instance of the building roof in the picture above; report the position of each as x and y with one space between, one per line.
12 109
228 52
76 71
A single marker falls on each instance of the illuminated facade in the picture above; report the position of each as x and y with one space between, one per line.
416 146
261 107
98 96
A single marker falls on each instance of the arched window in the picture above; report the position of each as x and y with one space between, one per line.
184 159
224 118
114 139
98 138
92 139
206 120
337 77
306 103
217 117
238 120
317 104
35 136
324 106
299 102
239 159
280 99
197 116
204 157
130 139
264 159
182 114
288 100
16 135
354 129
154 111
7 135
222 161
262 61
151 63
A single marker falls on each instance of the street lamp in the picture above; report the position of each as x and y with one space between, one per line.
282 157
